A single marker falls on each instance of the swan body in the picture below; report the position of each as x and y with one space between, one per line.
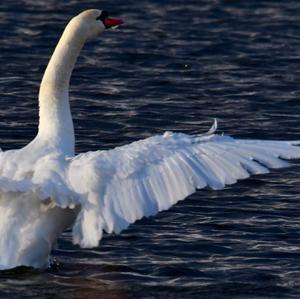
44 188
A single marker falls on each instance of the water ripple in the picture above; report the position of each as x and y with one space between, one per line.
174 65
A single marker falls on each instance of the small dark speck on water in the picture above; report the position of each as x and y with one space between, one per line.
174 65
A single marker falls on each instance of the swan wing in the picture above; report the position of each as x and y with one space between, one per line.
119 186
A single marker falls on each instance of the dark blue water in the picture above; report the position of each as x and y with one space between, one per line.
175 65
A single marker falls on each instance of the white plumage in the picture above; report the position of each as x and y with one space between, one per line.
122 185
45 188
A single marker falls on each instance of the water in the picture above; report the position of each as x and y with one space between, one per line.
175 65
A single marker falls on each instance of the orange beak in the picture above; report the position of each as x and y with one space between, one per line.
110 22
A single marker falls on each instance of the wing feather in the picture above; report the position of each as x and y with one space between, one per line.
119 186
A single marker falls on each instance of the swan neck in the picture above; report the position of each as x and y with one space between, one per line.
55 122
58 72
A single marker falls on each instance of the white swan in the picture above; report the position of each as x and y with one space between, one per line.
44 188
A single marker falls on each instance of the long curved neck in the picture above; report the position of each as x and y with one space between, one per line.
55 123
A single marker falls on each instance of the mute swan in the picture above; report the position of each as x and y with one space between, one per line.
44 188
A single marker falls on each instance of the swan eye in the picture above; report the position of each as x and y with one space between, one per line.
103 16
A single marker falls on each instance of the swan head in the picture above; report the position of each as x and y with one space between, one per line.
91 22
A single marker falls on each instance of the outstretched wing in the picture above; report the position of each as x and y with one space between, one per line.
119 186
